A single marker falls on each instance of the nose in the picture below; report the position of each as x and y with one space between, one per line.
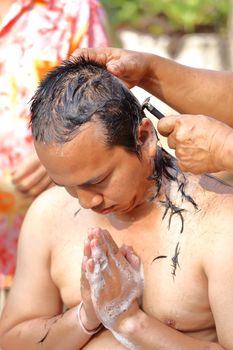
89 199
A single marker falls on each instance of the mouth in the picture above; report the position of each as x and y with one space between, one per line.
105 210
115 208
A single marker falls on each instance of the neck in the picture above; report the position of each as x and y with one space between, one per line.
169 191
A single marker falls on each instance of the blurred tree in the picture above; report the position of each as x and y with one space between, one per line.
167 16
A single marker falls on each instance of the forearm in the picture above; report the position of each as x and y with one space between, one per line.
61 332
190 90
148 333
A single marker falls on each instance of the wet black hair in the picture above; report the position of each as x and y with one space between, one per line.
75 92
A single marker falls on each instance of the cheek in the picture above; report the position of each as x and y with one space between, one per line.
124 187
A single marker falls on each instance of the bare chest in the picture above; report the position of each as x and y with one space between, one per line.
175 287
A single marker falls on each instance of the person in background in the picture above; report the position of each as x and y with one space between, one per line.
34 37
203 143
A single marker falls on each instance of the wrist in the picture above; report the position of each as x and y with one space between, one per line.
155 75
88 325
133 323
149 74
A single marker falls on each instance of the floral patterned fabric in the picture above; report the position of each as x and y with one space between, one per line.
34 37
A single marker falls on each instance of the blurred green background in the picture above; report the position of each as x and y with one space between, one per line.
168 16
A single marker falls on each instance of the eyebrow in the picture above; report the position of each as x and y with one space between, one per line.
87 183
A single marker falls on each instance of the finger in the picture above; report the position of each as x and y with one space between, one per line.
96 240
90 265
124 68
98 256
171 141
94 233
87 248
84 283
86 266
38 188
116 68
167 125
84 262
181 166
28 180
131 256
26 166
186 153
106 254
106 264
90 234
110 241
124 249
101 239
116 262
100 55
113 59
134 260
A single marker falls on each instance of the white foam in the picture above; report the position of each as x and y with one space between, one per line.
95 278
131 287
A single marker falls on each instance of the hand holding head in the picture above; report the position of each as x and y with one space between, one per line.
129 66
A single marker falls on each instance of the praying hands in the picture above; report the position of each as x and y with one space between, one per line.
112 278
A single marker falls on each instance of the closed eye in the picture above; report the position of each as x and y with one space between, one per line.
98 182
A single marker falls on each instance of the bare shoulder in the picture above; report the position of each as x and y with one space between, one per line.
217 219
57 217
51 200
39 224
48 206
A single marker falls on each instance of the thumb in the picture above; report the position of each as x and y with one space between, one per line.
167 125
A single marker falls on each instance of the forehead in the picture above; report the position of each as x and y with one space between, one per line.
85 155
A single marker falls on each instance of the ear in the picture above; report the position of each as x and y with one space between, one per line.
146 137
